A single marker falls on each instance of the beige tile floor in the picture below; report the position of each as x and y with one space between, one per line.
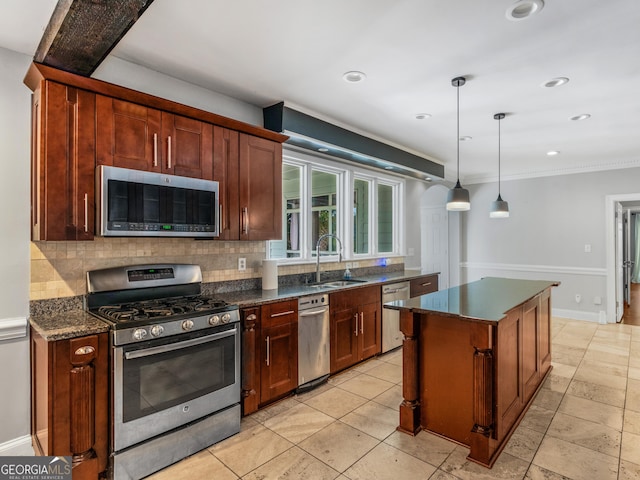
583 425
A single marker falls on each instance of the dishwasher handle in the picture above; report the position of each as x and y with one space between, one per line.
395 290
310 313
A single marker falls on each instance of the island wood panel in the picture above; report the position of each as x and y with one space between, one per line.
447 379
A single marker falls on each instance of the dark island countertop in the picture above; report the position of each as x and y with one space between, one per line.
57 323
488 299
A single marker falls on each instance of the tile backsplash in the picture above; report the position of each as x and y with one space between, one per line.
58 269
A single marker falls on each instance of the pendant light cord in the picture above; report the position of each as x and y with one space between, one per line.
499 120
458 130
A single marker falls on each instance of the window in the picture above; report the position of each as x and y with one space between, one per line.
324 214
324 198
360 216
385 218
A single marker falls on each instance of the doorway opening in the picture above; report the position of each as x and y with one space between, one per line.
623 296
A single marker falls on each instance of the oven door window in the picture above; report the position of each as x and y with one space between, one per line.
161 375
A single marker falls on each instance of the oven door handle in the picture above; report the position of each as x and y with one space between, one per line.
145 352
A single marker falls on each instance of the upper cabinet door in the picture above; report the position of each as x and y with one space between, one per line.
187 147
63 162
260 188
128 135
225 171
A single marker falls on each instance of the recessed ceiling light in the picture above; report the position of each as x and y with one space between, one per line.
555 82
423 116
428 179
323 149
553 153
582 116
388 167
523 9
466 138
354 76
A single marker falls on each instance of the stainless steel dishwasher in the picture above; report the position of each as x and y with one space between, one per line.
313 341
391 334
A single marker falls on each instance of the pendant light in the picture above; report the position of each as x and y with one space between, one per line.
458 197
499 208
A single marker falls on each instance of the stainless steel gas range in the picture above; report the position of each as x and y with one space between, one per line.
175 386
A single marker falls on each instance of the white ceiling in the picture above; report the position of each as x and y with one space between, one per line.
297 50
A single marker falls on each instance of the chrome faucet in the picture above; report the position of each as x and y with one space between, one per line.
326 235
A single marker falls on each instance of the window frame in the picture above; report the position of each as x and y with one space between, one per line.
346 173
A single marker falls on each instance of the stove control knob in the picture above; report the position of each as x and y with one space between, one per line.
187 325
225 318
214 320
157 330
139 334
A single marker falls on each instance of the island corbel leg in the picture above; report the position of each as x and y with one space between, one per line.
483 422
410 406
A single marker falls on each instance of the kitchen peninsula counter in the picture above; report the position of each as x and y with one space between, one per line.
473 358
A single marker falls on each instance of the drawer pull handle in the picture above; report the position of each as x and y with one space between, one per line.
282 314
85 350
425 284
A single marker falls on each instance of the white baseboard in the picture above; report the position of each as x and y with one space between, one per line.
18 447
576 315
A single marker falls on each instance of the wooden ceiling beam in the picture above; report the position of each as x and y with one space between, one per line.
81 33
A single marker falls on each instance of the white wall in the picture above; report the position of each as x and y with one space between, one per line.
551 221
14 253
126 74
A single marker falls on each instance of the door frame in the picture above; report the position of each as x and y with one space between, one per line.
610 229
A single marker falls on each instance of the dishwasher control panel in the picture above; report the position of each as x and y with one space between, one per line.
313 301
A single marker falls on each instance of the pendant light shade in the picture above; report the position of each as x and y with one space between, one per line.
499 208
458 197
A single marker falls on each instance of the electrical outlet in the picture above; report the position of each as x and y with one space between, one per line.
587 248
349 265
242 264
597 300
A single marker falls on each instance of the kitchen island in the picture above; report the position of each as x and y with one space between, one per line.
473 358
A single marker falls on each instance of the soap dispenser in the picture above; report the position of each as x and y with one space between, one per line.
347 274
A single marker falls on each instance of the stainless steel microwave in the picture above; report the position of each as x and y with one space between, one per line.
133 203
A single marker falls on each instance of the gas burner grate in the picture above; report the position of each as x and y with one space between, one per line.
160 308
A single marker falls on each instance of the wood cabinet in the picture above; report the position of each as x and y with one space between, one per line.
423 285
269 353
355 326
63 163
143 138
249 170
78 121
69 382
278 350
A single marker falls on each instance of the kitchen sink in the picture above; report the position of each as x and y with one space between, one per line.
334 283
342 283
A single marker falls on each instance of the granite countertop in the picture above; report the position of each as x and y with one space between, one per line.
72 324
249 298
488 299
58 324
